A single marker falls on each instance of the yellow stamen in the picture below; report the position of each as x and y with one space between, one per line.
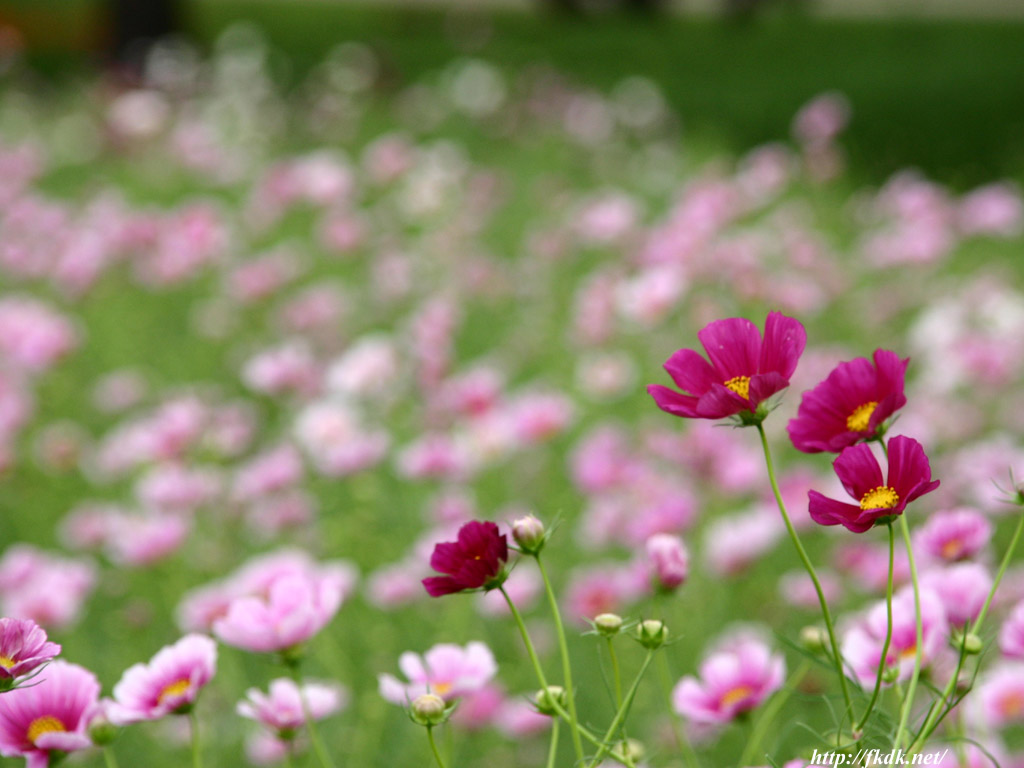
860 418
440 689
736 694
740 385
44 724
6 662
176 688
882 497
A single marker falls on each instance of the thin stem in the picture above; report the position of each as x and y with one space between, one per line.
616 676
769 713
620 716
553 749
826 614
888 632
108 757
563 649
433 746
531 652
288 755
314 734
197 759
908 702
976 627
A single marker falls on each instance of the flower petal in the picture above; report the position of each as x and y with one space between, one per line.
733 346
784 342
858 470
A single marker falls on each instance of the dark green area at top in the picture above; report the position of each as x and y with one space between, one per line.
943 96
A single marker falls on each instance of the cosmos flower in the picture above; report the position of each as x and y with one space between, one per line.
909 478
744 369
734 679
850 405
475 560
281 708
446 670
23 648
52 715
169 684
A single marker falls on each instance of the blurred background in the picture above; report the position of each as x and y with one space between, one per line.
936 84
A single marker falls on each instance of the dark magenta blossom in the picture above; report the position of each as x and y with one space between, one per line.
851 404
744 369
475 560
858 469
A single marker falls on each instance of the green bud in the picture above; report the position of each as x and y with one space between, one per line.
608 624
629 750
813 639
547 699
529 534
429 709
102 731
971 644
652 633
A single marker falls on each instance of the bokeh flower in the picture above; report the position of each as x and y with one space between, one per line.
446 670
281 709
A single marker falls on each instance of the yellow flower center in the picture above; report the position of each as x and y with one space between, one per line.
860 418
6 662
176 688
440 688
882 497
44 724
740 385
738 693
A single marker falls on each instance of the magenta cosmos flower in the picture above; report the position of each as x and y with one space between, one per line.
734 679
52 715
23 648
475 560
851 404
744 369
169 684
858 469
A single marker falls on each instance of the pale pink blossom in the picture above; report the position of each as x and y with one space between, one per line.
446 670
281 709
952 535
962 588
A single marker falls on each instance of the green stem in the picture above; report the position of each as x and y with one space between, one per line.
908 702
620 716
616 676
826 614
108 757
563 649
314 734
769 713
553 749
197 759
888 633
433 746
288 755
976 627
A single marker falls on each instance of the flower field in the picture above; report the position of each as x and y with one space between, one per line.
486 418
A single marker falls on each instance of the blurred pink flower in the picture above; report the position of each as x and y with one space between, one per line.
954 534
446 670
23 648
281 709
169 684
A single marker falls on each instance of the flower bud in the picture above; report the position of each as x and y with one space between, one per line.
547 699
813 639
429 709
631 750
608 624
102 731
891 674
652 633
529 534
971 644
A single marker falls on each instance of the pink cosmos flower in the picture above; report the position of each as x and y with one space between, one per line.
294 607
909 478
53 715
745 370
169 684
23 648
862 644
734 679
446 670
850 405
962 588
281 708
1000 695
952 535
